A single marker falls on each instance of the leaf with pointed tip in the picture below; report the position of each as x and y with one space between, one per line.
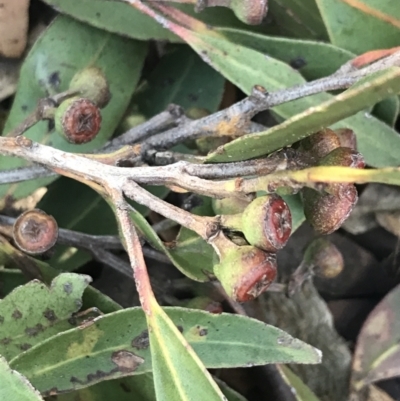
178 372
327 113
361 25
65 48
77 355
378 350
14 386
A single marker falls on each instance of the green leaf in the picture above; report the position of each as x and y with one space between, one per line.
191 83
139 387
180 261
312 59
125 20
178 372
300 391
33 312
296 209
219 340
361 25
246 67
132 388
378 349
66 47
14 386
300 19
332 111
388 110
32 267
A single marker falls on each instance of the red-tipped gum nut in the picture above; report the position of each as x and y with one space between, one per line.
78 120
35 231
245 272
266 222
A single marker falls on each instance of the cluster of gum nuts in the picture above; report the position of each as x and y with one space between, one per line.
246 271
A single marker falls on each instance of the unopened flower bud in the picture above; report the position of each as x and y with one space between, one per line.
245 272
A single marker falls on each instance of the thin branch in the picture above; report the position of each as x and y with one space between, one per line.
134 250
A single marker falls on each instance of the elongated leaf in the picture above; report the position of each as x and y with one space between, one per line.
325 114
66 47
300 391
191 83
71 360
125 20
139 387
361 25
24 324
178 372
14 386
313 59
378 350
297 18
246 67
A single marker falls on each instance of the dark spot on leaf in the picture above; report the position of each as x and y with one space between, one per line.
1 319
16 314
98 15
141 341
203 332
193 97
50 315
54 79
34 331
298 63
5 340
24 107
93 377
50 125
125 387
68 288
78 303
25 346
180 328
126 361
